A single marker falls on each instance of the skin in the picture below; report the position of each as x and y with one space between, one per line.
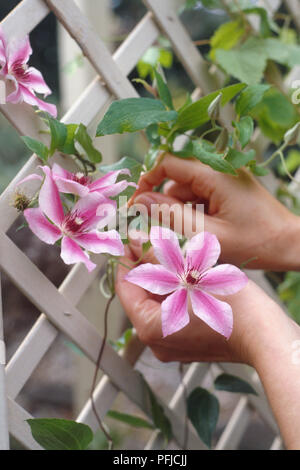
249 223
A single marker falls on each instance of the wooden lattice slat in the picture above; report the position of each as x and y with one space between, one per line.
59 305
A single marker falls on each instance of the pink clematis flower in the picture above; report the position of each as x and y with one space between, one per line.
77 229
26 80
193 276
82 185
78 183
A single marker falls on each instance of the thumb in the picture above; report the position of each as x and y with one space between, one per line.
182 218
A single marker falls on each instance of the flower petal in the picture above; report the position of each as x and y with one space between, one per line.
108 179
30 98
223 280
202 251
216 314
31 177
174 312
154 278
41 227
166 248
19 52
15 96
115 189
58 170
101 242
34 80
49 199
96 210
3 55
71 187
71 253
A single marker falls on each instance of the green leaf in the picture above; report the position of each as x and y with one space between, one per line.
246 63
59 134
160 420
257 170
154 56
68 146
163 90
133 114
239 159
292 162
226 36
249 98
84 139
245 128
151 156
123 340
206 153
230 383
60 434
195 115
275 115
203 411
266 23
40 149
153 134
133 165
133 421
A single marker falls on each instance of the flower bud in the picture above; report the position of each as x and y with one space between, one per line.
292 135
214 108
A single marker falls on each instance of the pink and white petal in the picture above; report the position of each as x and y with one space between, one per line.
31 177
101 242
202 251
41 227
115 189
71 253
94 209
216 314
166 248
49 199
153 277
174 312
108 179
15 96
224 279
20 52
58 170
30 98
35 80
71 187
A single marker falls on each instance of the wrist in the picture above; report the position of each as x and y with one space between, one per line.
290 244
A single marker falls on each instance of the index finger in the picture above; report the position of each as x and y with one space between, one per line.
183 171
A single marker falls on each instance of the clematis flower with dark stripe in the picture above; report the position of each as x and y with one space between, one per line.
191 276
26 81
79 228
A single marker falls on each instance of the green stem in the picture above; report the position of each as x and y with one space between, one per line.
213 129
273 156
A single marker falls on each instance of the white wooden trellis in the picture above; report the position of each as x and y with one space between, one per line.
59 305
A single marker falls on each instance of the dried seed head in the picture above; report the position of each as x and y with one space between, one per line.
21 202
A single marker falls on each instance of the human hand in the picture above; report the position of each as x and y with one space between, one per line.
248 221
196 342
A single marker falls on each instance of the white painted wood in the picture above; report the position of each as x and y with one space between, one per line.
18 426
43 333
235 428
92 47
24 18
192 378
196 67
